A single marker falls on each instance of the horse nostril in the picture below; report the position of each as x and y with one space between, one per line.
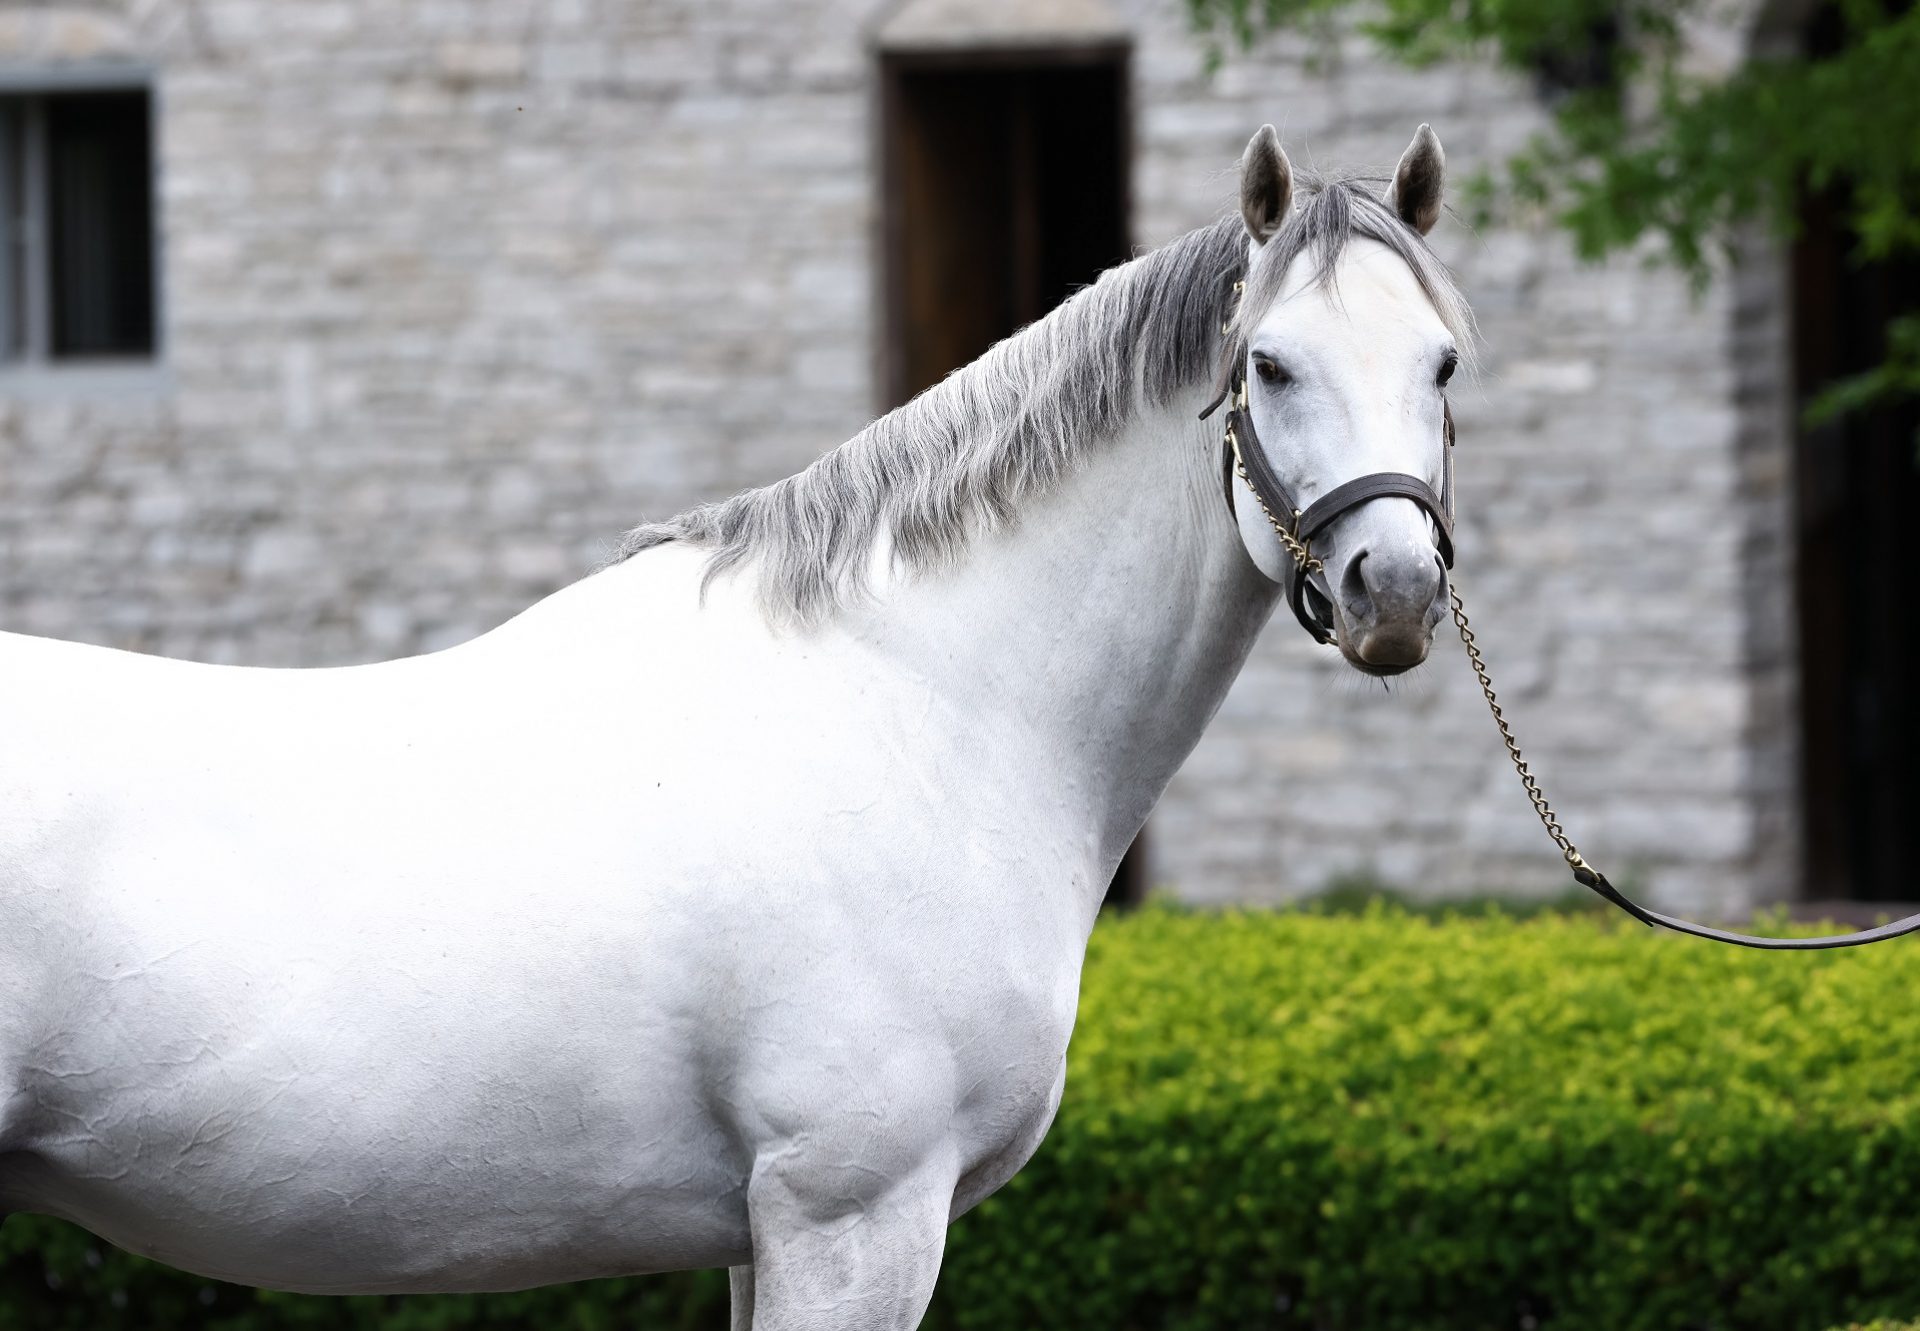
1354 590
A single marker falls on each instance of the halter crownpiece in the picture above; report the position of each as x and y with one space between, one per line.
1242 456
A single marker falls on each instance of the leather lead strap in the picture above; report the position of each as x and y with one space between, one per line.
1590 877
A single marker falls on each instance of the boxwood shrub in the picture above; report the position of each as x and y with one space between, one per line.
1377 1121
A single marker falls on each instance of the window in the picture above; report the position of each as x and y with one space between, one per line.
76 226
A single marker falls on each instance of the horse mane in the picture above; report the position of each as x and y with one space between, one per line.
958 460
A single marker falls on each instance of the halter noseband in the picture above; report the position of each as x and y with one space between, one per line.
1251 464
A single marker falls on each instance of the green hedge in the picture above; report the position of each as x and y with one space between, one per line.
1376 1121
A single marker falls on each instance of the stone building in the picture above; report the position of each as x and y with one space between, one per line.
442 295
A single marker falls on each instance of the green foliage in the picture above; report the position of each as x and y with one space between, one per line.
1360 894
1380 1122
1644 146
1371 1121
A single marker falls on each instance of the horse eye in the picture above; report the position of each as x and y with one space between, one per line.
1271 373
1447 367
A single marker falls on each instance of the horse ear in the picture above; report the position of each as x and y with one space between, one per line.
1415 192
1266 185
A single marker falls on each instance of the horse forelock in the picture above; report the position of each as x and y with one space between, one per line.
959 459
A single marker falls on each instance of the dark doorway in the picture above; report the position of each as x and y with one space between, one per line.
1857 493
1005 191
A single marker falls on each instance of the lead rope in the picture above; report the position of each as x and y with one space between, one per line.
1588 876
1308 562
1585 874
1543 809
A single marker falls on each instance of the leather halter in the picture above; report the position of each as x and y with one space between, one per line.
1242 455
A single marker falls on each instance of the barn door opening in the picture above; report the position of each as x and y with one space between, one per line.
1005 191
1858 506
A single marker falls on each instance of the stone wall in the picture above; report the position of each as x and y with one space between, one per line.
455 291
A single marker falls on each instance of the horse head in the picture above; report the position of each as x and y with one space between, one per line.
1348 332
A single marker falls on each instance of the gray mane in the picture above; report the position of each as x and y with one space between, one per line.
958 459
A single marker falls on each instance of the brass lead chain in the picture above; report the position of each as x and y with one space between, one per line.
1540 805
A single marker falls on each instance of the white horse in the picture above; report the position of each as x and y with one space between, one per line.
726 908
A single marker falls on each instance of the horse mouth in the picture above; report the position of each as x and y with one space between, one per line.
1377 671
1321 606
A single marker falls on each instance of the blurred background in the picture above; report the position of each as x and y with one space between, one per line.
335 330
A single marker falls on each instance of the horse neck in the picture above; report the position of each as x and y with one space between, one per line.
1108 621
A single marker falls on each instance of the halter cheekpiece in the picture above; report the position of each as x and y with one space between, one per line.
1241 455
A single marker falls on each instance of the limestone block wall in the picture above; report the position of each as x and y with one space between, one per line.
456 291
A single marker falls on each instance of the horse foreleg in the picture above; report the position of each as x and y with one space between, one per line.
740 1290
836 1258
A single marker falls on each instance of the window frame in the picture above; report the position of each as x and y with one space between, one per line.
28 365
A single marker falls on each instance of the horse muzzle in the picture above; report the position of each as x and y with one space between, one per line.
1387 607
